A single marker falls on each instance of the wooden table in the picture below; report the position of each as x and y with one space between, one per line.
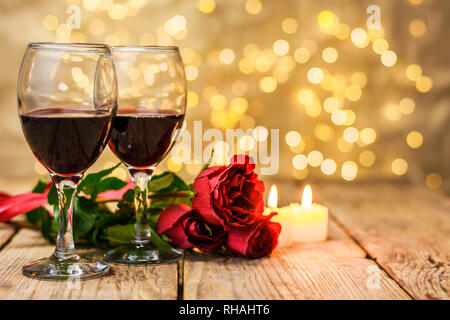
386 241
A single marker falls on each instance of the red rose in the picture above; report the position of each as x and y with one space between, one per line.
186 229
230 196
255 241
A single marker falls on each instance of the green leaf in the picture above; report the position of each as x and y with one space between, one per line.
161 203
119 234
36 215
208 229
161 182
49 228
52 199
128 196
123 234
108 219
106 184
93 237
167 182
52 196
158 241
168 189
96 224
84 213
87 185
208 162
40 186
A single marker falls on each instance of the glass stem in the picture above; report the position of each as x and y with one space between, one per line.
66 188
142 234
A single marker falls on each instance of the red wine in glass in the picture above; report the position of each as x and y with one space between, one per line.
143 131
66 123
67 142
142 138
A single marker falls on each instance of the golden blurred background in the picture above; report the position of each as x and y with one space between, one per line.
351 103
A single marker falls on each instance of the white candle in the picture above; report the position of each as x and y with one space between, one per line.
309 220
284 217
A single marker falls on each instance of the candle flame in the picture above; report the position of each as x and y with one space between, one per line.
307 197
273 197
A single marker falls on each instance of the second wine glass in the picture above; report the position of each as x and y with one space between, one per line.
151 107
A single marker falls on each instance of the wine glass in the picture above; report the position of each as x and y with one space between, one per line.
67 94
151 107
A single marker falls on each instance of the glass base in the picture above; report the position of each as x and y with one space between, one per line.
132 254
70 270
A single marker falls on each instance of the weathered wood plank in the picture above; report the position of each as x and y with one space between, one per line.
335 269
405 228
6 232
124 282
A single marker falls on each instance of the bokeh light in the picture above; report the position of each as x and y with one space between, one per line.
302 55
226 56
315 158
417 28
206 6
367 158
407 106
300 161
351 135
328 166
380 46
329 55
293 138
399 166
424 84
414 139
327 20
349 170
367 135
413 72
192 99
50 22
359 37
315 75
289 25
433 181
389 58
267 84
335 87
281 47
253 6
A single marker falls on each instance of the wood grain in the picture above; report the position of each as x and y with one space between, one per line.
124 282
335 269
405 228
402 228
6 232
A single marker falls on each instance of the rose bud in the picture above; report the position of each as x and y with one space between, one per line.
186 229
230 196
254 241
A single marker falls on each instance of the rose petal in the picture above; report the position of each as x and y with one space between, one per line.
178 237
256 240
170 216
21 203
238 239
202 201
